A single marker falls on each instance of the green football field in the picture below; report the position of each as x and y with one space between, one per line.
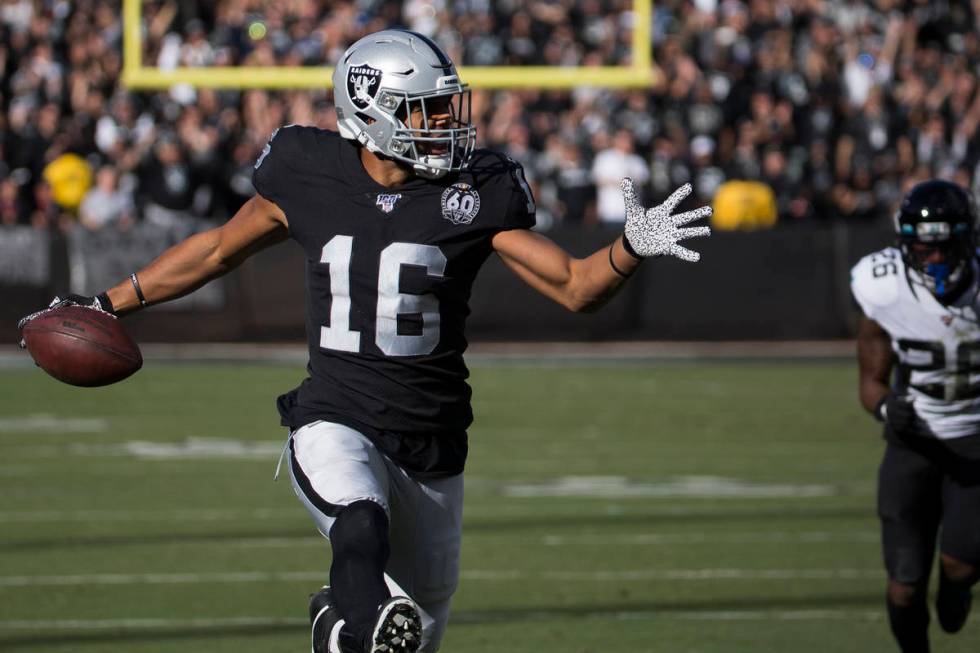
656 506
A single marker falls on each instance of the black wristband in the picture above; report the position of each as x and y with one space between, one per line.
612 264
139 291
105 303
629 249
880 413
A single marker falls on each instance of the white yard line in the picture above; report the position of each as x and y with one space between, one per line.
755 537
183 515
496 511
462 618
676 574
550 539
160 579
36 423
691 486
758 615
218 514
137 624
620 539
238 577
296 353
698 506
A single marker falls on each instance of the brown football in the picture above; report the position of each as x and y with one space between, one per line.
81 346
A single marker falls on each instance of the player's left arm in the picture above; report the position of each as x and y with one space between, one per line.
585 285
580 285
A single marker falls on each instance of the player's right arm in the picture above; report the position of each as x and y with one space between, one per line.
875 361
190 264
874 283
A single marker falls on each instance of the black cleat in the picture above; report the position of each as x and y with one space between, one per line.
399 627
952 605
323 617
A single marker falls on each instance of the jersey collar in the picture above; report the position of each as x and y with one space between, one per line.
361 181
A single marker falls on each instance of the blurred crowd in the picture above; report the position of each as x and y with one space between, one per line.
830 107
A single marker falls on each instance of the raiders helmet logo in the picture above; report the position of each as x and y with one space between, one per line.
460 203
362 85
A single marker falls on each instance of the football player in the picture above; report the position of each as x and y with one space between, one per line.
395 214
919 360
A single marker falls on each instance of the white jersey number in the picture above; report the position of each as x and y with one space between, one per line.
931 357
391 303
336 254
884 264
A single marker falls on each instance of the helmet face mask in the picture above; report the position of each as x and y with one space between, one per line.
435 130
937 234
938 267
399 95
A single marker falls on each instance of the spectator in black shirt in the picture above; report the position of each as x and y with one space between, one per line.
167 184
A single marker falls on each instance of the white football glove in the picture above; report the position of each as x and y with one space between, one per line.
655 232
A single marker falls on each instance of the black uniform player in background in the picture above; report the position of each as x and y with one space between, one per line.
395 214
921 303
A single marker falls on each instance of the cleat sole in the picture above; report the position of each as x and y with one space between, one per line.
399 627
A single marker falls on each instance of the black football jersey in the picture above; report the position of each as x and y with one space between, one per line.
388 279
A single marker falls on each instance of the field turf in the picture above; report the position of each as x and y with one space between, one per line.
648 507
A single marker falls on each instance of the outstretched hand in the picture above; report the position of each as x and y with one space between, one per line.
655 232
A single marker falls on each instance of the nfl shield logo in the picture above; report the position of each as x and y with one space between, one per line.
386 202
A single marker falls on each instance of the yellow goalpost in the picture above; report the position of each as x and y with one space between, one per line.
136 76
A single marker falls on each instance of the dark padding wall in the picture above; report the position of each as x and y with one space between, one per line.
787 283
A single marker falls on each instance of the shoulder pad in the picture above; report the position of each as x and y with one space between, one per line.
291 152
877 278
496 172
489 168
286 151
294 140
487 163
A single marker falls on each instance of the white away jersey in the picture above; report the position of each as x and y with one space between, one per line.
938 347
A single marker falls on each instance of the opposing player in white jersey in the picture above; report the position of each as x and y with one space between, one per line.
919 359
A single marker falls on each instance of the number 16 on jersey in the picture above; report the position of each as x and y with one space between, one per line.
336 254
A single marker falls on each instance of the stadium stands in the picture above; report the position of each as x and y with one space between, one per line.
836 106
832 107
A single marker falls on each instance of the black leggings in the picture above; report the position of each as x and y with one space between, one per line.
922 483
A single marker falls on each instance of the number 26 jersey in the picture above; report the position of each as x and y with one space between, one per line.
937 346
388 279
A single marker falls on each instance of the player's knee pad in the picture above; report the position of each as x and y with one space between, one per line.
361 530
959 571
904 594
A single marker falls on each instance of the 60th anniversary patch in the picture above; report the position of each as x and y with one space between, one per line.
460 203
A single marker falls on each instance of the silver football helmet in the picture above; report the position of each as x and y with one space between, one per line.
385 77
